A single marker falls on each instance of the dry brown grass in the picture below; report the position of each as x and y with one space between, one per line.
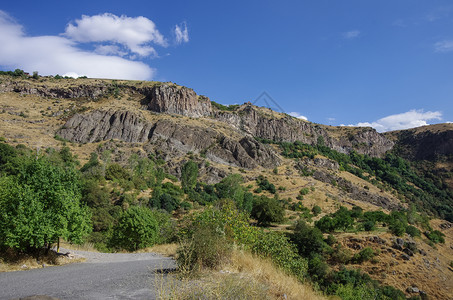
13 261
164 249
244 277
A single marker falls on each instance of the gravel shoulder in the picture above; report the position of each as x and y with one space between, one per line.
101 276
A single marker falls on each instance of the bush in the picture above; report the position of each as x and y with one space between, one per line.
412 231
364 255
206 248
397 227
316 210
115 171
266 210
137 228
435 236
189 174
307 239
369 226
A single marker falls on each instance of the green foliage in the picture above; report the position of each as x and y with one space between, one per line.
41 204
412 231
308 240
364 255
207 247
224 107
435 236
267 210
15 73
340 220
264 184
137 228
189 174
115 171
227 219
167 197
369 225
316 210
426 190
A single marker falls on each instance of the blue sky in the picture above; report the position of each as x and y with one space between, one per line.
386 64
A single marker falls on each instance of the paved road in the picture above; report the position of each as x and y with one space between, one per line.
102 276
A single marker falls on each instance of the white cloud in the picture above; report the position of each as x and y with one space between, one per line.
60 55
134 33
110 50
410 119
182 34
444 46
351 34
298 115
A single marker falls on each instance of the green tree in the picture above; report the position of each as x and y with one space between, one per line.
137 228
266 210
189 174
41 204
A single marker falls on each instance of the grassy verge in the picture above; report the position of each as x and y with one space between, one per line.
244 276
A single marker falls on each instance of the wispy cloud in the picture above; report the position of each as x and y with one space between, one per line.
298 115
352 34
117 42
443 46
439 13
181 33
410 119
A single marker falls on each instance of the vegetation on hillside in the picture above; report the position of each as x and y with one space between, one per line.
424 189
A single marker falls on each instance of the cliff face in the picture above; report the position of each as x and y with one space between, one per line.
176 100
289 129
173 99
90 91
425 143
168 137
157 97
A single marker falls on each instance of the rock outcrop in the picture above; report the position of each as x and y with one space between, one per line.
170 138
425 143
255 122
102 125
90 91
174 99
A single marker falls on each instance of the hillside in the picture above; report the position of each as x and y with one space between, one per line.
303 166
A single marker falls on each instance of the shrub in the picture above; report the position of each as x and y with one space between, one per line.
115 171
189 174
307 239
205 248
397 227
266 210
364 255
341 255
435 236
369 226
316 210
412 231
137 228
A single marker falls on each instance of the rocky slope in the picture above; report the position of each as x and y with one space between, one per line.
172 99
425 143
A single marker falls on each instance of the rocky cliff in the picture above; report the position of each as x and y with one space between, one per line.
170 98
258 122
168 137
424 143
173 99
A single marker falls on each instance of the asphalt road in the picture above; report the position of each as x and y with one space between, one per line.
102 276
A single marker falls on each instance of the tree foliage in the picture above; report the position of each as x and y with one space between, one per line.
137 228
41 204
